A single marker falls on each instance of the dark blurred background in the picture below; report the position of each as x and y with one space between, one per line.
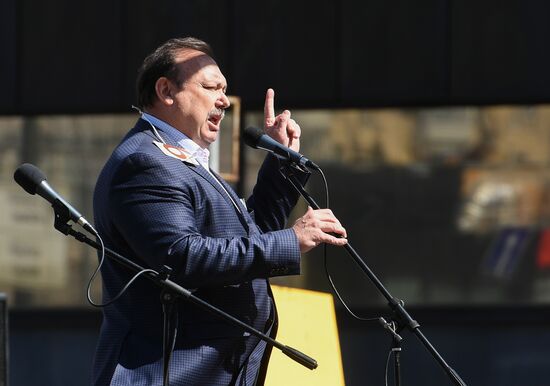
431 120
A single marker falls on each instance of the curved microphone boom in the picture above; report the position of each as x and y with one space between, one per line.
256 138
33 180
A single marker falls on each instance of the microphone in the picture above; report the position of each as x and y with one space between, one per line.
33 180
256 138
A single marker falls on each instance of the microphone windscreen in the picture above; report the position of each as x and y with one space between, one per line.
29 177
252 135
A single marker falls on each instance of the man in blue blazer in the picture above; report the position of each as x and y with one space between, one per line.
158 203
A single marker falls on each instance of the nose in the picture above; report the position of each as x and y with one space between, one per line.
223 101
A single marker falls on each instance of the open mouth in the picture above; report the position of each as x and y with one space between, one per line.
216 116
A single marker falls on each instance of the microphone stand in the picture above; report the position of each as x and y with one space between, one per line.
170 291
403 318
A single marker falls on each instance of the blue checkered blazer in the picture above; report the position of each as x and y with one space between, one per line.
158 210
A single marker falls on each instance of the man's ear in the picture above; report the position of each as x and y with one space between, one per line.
164 91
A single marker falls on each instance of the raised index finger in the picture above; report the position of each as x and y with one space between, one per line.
269 107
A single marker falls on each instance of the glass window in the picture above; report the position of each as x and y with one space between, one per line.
40 267
446 205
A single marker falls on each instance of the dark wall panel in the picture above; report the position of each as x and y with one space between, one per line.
67 56
494 351
394 52
487 346
147 24
288 45
8 64
70 55
500 51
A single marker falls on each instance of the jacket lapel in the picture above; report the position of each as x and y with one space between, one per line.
244 210
231 192
208 177
229 196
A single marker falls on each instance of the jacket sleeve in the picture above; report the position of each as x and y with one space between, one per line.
273 197
157 216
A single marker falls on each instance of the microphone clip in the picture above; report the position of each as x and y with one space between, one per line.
288 168
62 217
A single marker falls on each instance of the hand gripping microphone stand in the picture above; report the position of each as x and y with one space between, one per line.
170 290
403 319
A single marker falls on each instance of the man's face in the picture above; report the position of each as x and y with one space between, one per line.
200 102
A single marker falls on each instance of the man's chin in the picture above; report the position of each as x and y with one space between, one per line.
207 141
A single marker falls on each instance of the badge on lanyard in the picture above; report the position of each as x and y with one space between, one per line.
176 152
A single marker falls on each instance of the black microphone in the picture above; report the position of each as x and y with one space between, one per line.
256 138
34 181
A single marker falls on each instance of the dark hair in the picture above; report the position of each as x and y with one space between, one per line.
162 63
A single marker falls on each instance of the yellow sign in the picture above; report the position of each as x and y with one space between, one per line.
307 322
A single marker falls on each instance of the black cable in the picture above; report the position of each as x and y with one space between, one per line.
325 246
386 373
122 291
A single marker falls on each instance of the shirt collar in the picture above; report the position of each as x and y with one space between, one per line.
200 154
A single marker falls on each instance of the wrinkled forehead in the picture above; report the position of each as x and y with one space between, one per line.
192 63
